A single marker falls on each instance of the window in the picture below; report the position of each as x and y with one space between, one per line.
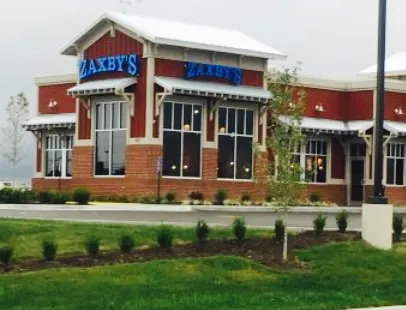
235 140
395 157
111 124
316 161
58 155
182 133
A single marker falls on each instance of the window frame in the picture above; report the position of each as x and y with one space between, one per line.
62 139
110 130
395 157
235 136
184 102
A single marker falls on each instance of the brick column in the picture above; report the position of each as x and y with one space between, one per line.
209 162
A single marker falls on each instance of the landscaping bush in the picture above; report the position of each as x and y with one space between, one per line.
279 230
146 200
196 196
398 226
59 198
93 246
122 199
319 223
202 231
239 228
81 196
165 237
314 197
246 198
6 254
49 249
16 195
220 196
342 221
44 197
170 197
126 244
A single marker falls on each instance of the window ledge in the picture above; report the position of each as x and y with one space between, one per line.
58 178
180 178
394 185
109 176
236 180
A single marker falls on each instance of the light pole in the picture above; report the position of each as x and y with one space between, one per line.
379 191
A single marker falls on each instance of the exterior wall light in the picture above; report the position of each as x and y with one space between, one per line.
52 103
398 111
319 107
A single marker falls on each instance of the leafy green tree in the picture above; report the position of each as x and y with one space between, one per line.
285 137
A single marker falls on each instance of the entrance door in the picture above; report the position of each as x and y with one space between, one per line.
357 180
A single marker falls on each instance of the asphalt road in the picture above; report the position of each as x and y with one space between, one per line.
296 221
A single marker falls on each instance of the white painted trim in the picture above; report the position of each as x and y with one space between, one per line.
100 33
144 141
38 175
83 143
149 113
55 79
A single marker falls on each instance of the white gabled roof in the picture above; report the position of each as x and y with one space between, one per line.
211 89
174 33
99 87
322 125
49 121
398 128
394 65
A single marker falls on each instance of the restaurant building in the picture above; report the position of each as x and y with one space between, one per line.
152 96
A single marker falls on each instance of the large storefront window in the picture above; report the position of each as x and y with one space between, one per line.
58 155
235 140
395 163
182 133
111 132
316 161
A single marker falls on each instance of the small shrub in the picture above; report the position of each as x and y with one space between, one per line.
268 198
342 221
196 196
314 197
93 246
220 196
27 196
279 230
170 197
6 254
49 249
81 196
165 237
319 223
44 197
59 198
146 200
122 198
246 198
126 244
202 231
398 226
239 228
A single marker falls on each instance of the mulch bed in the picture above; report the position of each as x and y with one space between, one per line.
263 250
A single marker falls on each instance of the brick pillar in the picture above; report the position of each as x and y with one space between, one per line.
209 164
82 165
261 168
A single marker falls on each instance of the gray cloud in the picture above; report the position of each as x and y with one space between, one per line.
333 39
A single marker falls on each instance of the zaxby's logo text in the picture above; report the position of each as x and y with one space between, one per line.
231 74
120 63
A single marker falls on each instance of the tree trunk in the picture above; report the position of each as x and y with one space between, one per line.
285 244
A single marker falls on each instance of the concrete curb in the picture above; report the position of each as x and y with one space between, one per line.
383 308
299 209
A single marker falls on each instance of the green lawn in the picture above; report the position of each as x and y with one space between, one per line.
343 275
26 236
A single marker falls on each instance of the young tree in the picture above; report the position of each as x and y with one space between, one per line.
13 133
285 137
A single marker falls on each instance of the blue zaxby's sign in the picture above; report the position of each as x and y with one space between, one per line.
120 63
231 74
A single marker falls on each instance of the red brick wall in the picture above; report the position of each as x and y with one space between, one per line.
51 184
141 179
66 104
39 157
329 192
85 123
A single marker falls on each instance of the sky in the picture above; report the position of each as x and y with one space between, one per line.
333 39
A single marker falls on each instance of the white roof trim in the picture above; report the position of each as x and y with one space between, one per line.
51 121
210 89
398 128
55 79
329 126
99 87
174 33
395 65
